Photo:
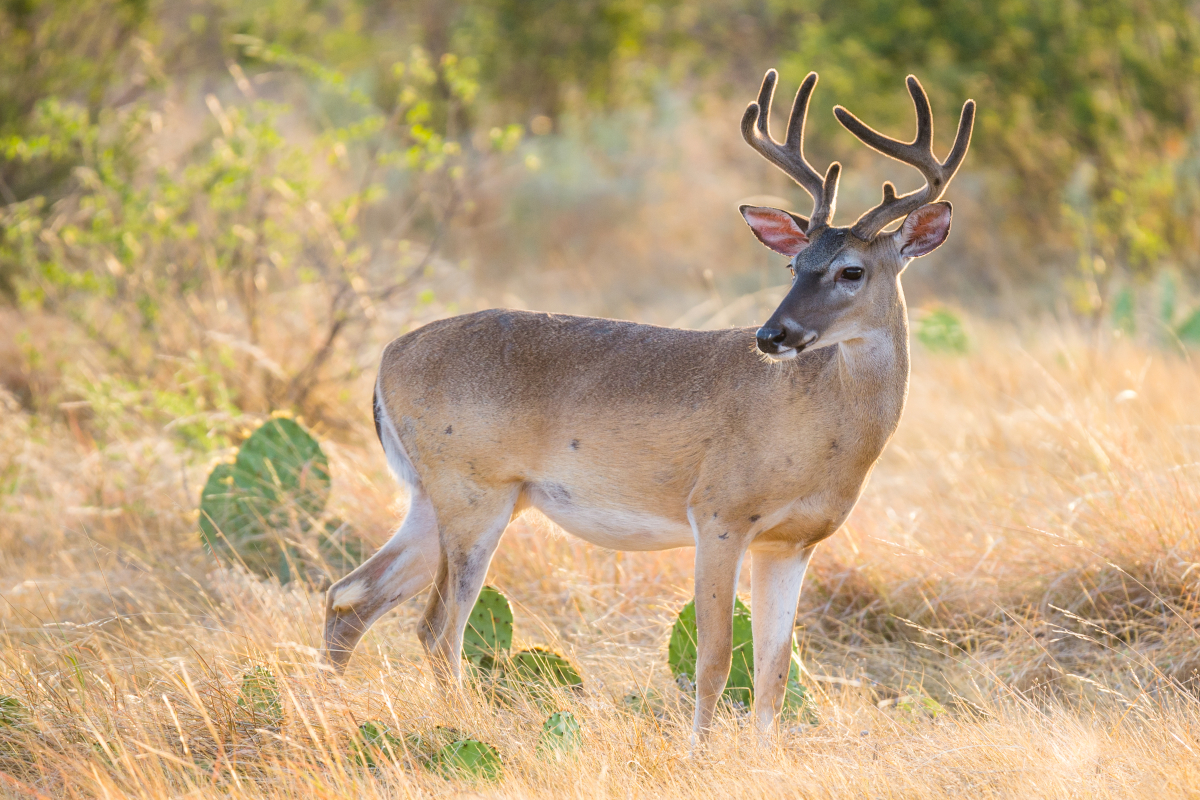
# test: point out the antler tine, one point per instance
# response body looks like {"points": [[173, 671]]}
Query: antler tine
{"points": [[789, 156], [917, 153]]}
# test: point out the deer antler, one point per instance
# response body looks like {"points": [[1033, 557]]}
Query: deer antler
{"points": [[918, 153], [789, 156]]}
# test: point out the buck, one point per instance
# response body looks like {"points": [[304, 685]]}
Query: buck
{"points": [[637, 437]]}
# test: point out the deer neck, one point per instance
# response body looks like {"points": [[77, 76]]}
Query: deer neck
{"points": [[869, 374]]}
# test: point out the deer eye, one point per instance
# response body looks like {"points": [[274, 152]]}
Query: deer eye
{"points": [[851, 274]]}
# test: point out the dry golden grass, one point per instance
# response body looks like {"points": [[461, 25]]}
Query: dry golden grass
{"points": [[1010, 611]]}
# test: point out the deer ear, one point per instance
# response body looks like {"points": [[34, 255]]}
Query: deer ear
{"points": [[778, 230], [924, 230]]}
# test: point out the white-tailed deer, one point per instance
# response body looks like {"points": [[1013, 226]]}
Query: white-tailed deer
{"points": [[636, 437]]}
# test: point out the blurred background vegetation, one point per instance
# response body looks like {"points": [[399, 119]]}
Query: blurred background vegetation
{"points": [[213, 207]]}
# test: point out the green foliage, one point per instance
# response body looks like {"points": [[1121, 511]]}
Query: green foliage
{"points": [[1123, 312], [259, 697], [561, 733], [468, 759], [535, 52], [1080, 101], [1189, 330], [489, 633], [941, 331], [681, 658], [374, 744], [12, 712], [251, 230], [77, 49], [278, 485]]}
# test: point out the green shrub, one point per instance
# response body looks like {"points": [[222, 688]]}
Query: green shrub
{"points": [[1189, 330], [941, 331]]}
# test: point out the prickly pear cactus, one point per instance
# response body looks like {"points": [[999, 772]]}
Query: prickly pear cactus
{"points": [[468, 759], [12, 713], [798, 703], [681, 653], [541, 667], [681, 656], [424, 745], [275, 489], [374, 744], [489, 633], [260, 697], [561, 733]]}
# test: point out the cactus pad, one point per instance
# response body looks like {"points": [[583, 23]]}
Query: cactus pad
{"points": [[798, 703], [259, 696], [681, 656], [560, 732], [489, 633], [539, 666], [375, 744], [468, 759], [277, 486], [12, 713], [681, 652]]}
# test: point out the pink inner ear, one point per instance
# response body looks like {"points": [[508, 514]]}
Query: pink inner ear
{"points": [[924, 230], [776, 229]]}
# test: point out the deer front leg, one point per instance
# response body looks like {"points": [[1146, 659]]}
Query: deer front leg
{"points": [[718, 562], [776, 572]]}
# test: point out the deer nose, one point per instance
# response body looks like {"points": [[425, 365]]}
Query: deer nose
{"points": [[770, 339]]}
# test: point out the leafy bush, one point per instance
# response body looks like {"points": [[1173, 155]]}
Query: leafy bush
{"points": [[242, 253], [941, 331]]}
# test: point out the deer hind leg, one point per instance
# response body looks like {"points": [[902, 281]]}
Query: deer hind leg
{"points": [[775, 577], [470, 531], [400, 569]]}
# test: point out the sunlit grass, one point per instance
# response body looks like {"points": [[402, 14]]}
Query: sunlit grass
{"points": [[1010, 611]]}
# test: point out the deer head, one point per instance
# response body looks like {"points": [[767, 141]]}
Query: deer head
{"points": [[846, 281]]}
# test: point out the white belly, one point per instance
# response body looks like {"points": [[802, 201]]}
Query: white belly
{"points": [[617, 528]]}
